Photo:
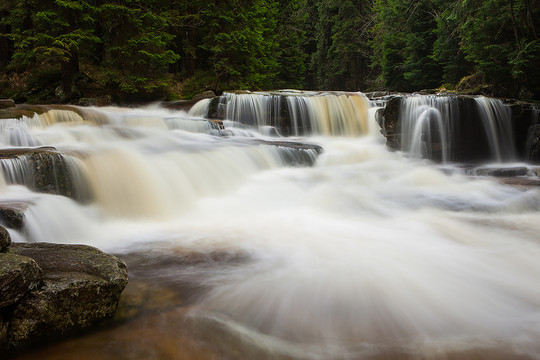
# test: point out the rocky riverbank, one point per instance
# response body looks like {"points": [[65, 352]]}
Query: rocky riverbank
{"points": [[48, 290]]}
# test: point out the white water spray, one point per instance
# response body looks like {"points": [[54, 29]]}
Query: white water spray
{"points": [[364, 255]]}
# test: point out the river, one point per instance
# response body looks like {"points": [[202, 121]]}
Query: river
{"points": [[240, 249]]}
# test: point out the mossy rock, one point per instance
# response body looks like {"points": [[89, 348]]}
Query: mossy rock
{"points": [[81, 286]]}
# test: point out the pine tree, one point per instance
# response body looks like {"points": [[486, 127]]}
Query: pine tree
{"points": [[241, 43], [52, 33], [136, 43]]}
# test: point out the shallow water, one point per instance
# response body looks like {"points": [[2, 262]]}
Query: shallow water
{"points": [[233, 254]]}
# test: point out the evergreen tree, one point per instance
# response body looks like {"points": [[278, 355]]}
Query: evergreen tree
{"points": [[499, 37], [6, 44], [136, 45], [52, 33], [404, 36], [420, 70], [241, 42], [341, 59], [388, 43], [446, 49], [291, 57]]}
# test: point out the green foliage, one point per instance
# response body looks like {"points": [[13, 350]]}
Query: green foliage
{"points": [[342, 51], [136, 47], [241, 41], [133, 49], [198, 83], [404, 37], [291, 36]]}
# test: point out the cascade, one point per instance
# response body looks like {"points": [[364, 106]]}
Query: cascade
{"points": [[295, 113], [44, 171], [240, 244], [451, 128], [135, 162]]}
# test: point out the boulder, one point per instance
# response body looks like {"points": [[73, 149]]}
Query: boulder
{"points": [[5, 239], [6, 103], [12, 215], [18, 274], [81, 286]]}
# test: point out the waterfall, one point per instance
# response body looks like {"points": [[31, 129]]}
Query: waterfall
{"points": [[296, 113], [496, 120], [279, 226], [443, 127], [136, 162]]}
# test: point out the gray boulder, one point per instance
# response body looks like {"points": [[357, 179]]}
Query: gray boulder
{"points": [[81, 286], [18, 274]]}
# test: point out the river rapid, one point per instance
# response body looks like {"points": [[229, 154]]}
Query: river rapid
{"points": [[235, 253]]}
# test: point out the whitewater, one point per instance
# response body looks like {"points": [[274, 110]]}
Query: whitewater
{"points": [[354, 253]]}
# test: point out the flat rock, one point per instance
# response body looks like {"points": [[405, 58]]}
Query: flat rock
{"points": [[520, 181], [502, 172], [81, 286], [6, 103], [18, 274]]}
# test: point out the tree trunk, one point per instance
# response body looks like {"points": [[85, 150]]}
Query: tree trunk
{"points": [[514, 24], [530, 19], [69, 71]]}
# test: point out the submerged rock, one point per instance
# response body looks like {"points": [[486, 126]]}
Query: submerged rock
{"points": [[502, 172], [80, 286]]}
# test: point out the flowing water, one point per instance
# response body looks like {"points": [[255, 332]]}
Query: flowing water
{"points": [[241, 247], [440, 120]]}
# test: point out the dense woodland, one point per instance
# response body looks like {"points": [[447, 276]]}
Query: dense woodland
{"points": [[133, 50]]}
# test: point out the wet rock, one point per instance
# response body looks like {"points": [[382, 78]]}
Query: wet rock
{"points": [[6, 103], [502, 172], [12, 215], [81, 286], [42, 170], [5, 238], [532, 144], [520, 181], [18, 274], [390, 124]]}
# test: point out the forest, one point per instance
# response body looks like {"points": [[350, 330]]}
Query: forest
{"points": [[134, 50]]}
